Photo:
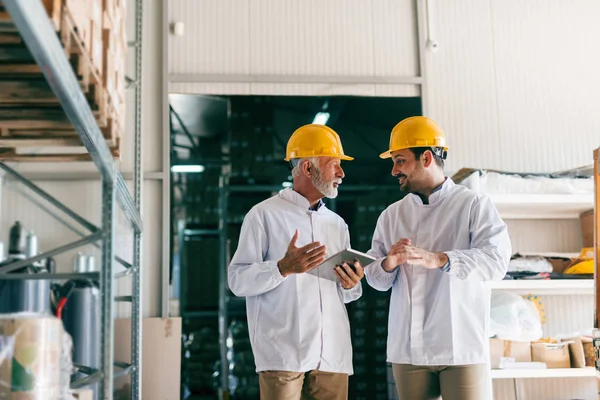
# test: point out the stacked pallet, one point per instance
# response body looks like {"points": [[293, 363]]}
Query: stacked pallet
{"points": [[92, 33], [368, 325]]}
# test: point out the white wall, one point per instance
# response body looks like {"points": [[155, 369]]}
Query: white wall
{"points": [[512, 83], [312, 37]]}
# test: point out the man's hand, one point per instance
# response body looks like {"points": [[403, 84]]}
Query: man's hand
{"points": [[349, 278], [404, 253], [396, 255], [303, 259], [424, 258]]}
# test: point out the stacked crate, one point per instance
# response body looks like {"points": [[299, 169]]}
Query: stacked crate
{"points": [[200, 358], [93, 33], [368, 326], [367, 210], [113, 50], [254, 157], [202, 273], [369, 315], [202, 200], [93, 36]]}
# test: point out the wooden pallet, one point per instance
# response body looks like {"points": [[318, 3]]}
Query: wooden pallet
{"points": [[30, 114]]}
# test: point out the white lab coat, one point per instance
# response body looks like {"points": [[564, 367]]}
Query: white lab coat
{"points": [[441, 317], [297, 323]]}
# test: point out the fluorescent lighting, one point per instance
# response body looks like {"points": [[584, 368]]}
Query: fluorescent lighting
{"points": [[321, 118], [187, 169], [287, 184]]}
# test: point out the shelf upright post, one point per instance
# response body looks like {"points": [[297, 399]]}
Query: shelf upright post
{"points": [[106, 291], [138, 177], [223, 260]]}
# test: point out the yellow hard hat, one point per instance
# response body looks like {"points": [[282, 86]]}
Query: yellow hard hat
{"points": [[315, 140], [415, 132]]}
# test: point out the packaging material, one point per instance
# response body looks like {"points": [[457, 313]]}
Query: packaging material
{"points": [[555, 355], [588, 350], [576, 351], [519, 351], [514, 318], [504, 182], [529, 264], [587, 228], [541, 262], [33, 357]]}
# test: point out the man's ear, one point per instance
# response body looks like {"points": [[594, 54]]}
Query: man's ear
{"points": [[427, 158], [306, 166]]}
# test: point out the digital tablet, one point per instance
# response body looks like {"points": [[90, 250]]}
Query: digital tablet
{"points": [[327, 267]]}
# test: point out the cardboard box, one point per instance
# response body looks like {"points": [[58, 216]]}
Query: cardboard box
{"points": [[588, 351], [161, 358], [555, 355], [520, 351], [587, 228], [83, 394], [576, 352]]}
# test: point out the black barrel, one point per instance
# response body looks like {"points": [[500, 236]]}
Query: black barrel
{"points": [[81, 319], [24, 296]]}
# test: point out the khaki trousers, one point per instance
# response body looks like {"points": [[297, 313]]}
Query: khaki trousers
{"points": [[312, 385], [455, 382]]}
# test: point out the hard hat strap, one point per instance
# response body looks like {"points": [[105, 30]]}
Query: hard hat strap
{"points": [[440, 152]]}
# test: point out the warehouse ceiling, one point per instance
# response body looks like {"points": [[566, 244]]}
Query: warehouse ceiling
{"points": [[363, 123]]}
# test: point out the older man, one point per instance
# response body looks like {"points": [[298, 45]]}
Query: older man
{"points": [[298, 324]]}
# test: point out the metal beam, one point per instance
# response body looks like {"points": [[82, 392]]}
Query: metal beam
{"points": [[92, 276], [128, 205], [46, 196], [122, 274], [88, 380], [80, 176], [185, 131], [223, 78], [201, 232], [65, 223], [50, 253]]}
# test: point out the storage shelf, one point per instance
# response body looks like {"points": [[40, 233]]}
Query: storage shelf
{"points": [[587, 372], [546, 287], [36, 31], [542, 206], [33, 24]]}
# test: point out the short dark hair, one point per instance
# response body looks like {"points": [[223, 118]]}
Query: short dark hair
{"points": [[439, 154]]}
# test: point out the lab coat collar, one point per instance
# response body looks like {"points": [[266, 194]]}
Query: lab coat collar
{"points": [[438, 193], [289, 194]]}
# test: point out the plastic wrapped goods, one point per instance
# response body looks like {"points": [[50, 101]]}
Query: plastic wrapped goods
{"points": [[32, 358]]}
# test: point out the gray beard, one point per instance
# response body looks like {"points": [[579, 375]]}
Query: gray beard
{"points": [[325, 188]]}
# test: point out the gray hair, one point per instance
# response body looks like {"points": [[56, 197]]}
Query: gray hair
{"points": [[297, 161]]}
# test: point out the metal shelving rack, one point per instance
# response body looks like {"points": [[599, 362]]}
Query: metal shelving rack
{"points": [[32, 22]]}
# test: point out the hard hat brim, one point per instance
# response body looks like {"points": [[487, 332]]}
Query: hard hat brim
{"points": [[342, 157], [388, 153]]}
